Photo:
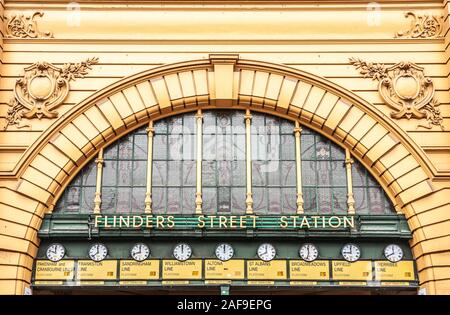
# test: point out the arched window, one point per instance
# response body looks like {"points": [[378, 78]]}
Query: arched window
{"points": [[232, 179]]}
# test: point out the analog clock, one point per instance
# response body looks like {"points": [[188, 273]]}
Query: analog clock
{"points": [[182, 252], [351, 252], [224, 252], [308, 252], [140, 252], [98, 252], [266, 252], [55, 252], [393, 253]]}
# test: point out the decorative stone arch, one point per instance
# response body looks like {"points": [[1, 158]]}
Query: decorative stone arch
{"points": [[221, 81]]}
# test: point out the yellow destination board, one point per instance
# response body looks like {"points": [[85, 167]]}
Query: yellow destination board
{"points": [[91, 270], [266, 270], [134, 270], [174, 269], [316, 270], [359, 270], [386, 270], [49, 270], [231, 269]]}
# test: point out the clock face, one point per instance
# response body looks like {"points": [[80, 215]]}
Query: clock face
{"points": [[140, 252], [266, 252], [182, 252], [308, 252], [351, 252], [55, 252], [98, 252], [224, 252], [393, 253]]}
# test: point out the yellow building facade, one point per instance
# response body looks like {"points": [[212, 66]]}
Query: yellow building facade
{"points": [[372, 77]]}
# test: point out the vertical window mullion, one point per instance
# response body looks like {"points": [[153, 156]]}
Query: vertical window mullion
{"points": [[298, 162], [248, 158], [199, 159], [148, 194], [98, 186], [350, 198]]}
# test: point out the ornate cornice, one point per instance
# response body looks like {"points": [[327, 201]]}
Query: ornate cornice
{"points": [[423, 26], [20, 26], [42, 88], [404, 88]]}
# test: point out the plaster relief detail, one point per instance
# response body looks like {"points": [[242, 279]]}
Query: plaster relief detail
{"points": [[406, 89], [20, 26], [423, 26], [42, 88]]}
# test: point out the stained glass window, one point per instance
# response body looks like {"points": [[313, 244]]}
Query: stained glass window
{"points": [[368, 194], [124, 171], [324, 180], [79, 195], [273, 165], [174, 166], [223, 165], [223, 162]]}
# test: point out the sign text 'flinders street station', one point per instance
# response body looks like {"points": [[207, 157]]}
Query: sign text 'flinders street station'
{"points": [[223, 222]]}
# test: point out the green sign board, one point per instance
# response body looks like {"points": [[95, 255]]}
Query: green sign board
{"points": [[221, 222]]}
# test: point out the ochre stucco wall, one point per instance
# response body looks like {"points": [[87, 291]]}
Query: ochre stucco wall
{"points": [[280, 59]]}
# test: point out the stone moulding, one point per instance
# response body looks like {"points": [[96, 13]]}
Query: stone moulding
{"points": [[406, 89], [423, 26], [42, 88], [20, 26]]}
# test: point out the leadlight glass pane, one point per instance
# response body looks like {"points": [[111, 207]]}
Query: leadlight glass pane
{"points": [[238, 200], [289, 200], [310, 200], [339, 174], [140, 147], [159, 200], [137, 195], [159, 173], [376, 200], [324, 200], [109, 173], [259, 201], [123, 199], [174, 200], [139, 173], [361, 204], [323, 173], [340, 200], [309, 176], [307, 145], [209, 197], [274, 196], [188, 200]]}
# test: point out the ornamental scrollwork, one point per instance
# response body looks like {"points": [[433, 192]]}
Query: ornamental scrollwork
{"points": [[42, 88], [20, 26], [406, 89], [423, 26]]}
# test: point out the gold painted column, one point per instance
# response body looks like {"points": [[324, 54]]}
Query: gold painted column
{"points": [[248, 158], [350, 199], [298, 162], [98, 185], [198, 193], [148, 194]]}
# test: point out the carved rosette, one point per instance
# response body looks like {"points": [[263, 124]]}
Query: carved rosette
{"points": [[20, 26], [43, 88], [406, 89], [423, 26]]}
